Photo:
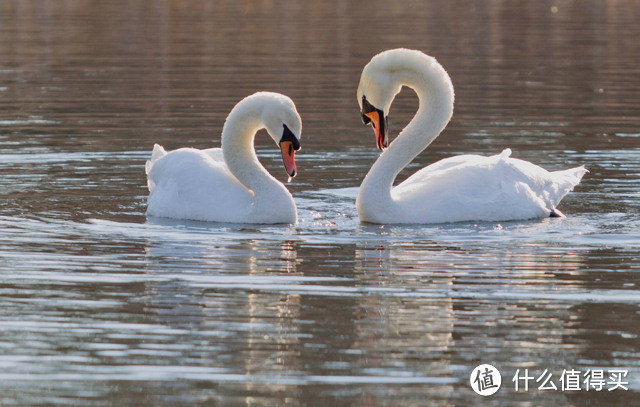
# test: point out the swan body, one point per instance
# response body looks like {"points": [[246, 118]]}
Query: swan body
{"points": [[460, 188], [229, 184]]}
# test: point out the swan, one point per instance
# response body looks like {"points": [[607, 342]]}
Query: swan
{"points": [[460, 188], [229, 184]]}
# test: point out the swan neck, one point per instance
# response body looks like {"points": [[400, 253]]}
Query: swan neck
{"points": [[435, 94], [433, 87], [239, 153]]}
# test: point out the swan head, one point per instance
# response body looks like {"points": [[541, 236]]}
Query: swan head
{"points": [[283, 123], [375, 96], [378, 121], [383, 77], [376, 92]]}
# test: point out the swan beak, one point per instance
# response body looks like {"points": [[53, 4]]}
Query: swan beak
{"points": [[288, 154], [289, 144], [379, 123]]}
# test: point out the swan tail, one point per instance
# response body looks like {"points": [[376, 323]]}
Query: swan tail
{"points": [[158, 153], [565, 181], [506, 153]]}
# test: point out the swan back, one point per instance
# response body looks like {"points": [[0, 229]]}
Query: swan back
{"points": [[474, 187]]}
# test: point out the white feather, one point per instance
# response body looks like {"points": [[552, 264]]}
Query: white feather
{"points": [[461, 188], [226, 186]]}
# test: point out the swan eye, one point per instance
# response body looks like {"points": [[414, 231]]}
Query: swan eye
{"points": [[287, 135], [366, 109]]}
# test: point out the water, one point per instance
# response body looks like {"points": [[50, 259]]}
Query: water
{"points": [[101, 306]]}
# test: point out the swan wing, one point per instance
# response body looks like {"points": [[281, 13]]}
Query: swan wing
{"points": [[215, 154], [195, 184], [473, 187]]}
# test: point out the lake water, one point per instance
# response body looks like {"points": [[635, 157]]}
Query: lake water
{"points": [[101, 306]]}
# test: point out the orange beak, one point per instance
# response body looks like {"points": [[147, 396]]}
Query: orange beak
{"points": [[288, 154], [379, 125]]}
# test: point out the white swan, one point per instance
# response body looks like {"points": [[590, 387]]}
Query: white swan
{"points": [[229, 184], [461, 188]]}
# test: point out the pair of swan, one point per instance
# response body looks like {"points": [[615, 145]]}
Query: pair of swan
{"points": [[230, 185]]}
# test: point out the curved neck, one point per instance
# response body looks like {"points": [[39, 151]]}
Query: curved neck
{"points": [[239, 153], [435, 94]]}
